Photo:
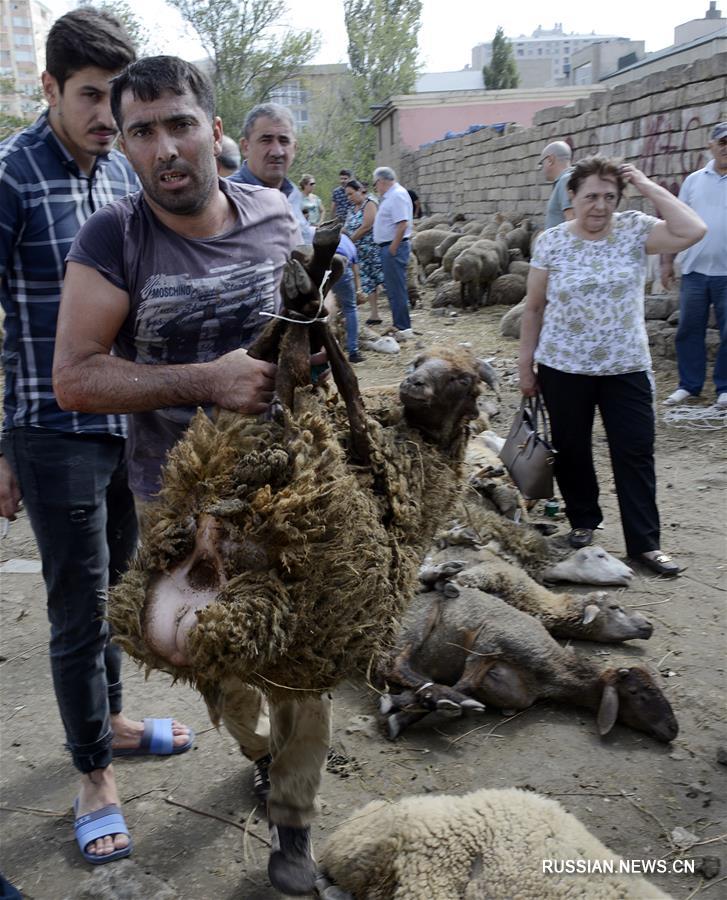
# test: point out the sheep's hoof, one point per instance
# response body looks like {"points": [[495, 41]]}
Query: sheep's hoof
{"points": [[444, 703], [393, 728], [473, 705], [386, 704]]}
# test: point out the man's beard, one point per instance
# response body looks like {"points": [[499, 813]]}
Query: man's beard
{"points": [[187, 202]]}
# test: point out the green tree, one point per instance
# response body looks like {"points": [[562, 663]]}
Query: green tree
{"points": [[383, 55], [248, 58], [140, 35], [502, 73]]}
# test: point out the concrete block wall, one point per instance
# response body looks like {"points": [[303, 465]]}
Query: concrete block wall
{"points": [[660, 123]]}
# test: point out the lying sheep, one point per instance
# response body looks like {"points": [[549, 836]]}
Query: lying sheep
{"points": [[590, 617], [434, 221], [469, 648], [476, 526], [507, 290], [437, 276], [486, 845], [510, 322], [423, 245], [519, 267], [448, 293]]}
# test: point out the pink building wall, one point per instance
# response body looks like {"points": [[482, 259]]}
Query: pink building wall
{"points": [[418, 125]]}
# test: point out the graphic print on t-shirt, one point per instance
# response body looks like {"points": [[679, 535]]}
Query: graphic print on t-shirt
{"points": [[181, 319]]}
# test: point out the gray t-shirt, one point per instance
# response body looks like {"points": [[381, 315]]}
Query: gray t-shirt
{"points": [[559, 200], [191, 300]]}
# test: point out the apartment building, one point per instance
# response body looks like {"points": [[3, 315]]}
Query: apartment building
{"points": [[24, 27]]}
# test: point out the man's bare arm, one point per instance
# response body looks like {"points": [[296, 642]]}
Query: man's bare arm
{"points": [[86, 378]]}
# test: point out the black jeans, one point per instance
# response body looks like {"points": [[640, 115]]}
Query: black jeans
{"points": [[625, 403], [75, 490]]}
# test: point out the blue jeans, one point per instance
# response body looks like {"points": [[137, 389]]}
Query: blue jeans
{"points": [[75, 490], [345, 292], [696, 294], [395, 283]]}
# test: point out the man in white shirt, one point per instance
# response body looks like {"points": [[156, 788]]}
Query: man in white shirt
{"points": [[704, 277], [392, 230]]}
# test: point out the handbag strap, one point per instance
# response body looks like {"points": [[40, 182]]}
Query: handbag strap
{"points": [[537, 411]]}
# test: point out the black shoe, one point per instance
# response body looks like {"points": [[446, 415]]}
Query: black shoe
{"points": [[261, 778], [580, 537], [291, 867], [662, 564], [356, 357]]}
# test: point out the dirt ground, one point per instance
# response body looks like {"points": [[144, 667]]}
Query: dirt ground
{"points": [[196, 831]]}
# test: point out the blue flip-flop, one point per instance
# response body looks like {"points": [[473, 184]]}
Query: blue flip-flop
{"points": [[157, 740], [102, 823]]}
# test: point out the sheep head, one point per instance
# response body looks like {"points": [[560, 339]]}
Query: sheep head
{"points": [[606, 621], [633, 697], [590, 565], [439, 396]]}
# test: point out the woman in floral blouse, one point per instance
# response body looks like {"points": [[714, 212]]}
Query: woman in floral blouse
{"points": [[359, 227], [583, 325]]}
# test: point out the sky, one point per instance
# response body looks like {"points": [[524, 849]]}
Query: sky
{"points": [[450, 28]]}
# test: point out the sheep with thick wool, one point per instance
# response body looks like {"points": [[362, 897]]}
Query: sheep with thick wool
{"points": [[296, 560], [486, 845]]}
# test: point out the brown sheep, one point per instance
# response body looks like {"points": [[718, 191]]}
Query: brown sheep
{"points": [[507, 290], [519, 267], [470, 648], [510, 322], [475, 268], [423, 245], [466, 240], [295, 558], [449, 293], [519, 238], [433, 221]]}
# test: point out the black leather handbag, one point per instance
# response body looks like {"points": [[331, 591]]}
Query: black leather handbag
{"points": [[527, 453]]}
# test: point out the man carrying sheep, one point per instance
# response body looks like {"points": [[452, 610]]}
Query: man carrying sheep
{"points": [[555, 164], [392, 230], [176, 279]]}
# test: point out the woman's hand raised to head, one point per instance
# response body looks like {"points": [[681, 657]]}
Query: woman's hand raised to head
{"points": [[632, 175]]}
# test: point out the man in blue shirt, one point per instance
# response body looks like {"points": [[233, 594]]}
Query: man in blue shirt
{"points": [[68, 467], [268, 145], [555, 164], [704, 277], [341, 204]]}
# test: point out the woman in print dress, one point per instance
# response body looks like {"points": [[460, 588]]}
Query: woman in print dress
{"points": [[584, 345], [359, 227]]}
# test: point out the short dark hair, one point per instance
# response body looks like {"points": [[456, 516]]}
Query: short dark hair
{"points": [[86, 37], [602, 166], [149, 77], [354, 184], [345, 172]]}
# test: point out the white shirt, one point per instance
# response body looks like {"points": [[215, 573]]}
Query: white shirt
{"points": [[395, 206], [705, 191], [593, 322]]}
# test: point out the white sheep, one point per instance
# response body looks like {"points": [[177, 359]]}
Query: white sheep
{"points": [[486, 845]]}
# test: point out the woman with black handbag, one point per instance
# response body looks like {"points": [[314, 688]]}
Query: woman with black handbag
{"points": [[583, 325]]}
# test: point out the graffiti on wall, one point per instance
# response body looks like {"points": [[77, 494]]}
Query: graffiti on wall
{"points": [[662, 145]]}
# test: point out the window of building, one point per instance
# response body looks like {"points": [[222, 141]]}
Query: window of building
{"points": [[23, 39], [391, 130], [520, 53], [24, 56], [21, 22], [292, 93]]}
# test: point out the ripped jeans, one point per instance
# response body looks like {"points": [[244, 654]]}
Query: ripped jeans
{"points": [[75, 490]]}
